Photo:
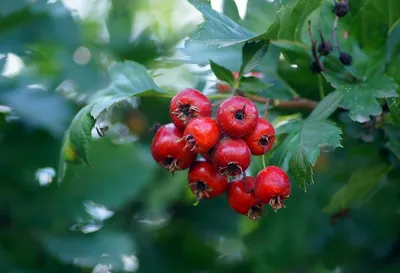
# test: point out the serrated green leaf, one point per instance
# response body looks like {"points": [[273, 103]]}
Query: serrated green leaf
{"points": [[295, 47], [88, 250], [394, 107], [362, 184], [327, 106], [301, 169], [360, 98], [128, 79], [252, 55], [78, 137], [218, 29], [222, 73], [253, 84]]}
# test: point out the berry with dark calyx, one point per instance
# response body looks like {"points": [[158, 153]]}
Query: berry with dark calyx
{"points": [[201, 134], [168, 151], [315, 67], [341, 8], [205, 181], [237, 116], [188, 104], [324, 47], [242, 200], [345, 58], [272, 186], [232, 156], [260, 141]]}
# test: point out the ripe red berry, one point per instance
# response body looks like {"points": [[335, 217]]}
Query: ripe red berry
{"points": [[201, 134], [237, 116], [272, 186], [209, 155], [232, 156], [205, 181], [260, 141], [168, 151], [242, 199], [188, 104]]}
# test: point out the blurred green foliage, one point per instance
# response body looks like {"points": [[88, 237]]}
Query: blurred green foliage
{"points": [[72, 201]]}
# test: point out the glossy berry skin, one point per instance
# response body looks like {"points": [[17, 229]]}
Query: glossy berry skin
{"points": [[272, 186], [205, 181], [242, 199], [188, 104], [232, 156], [341, 8], [237, 116], [168, 151], [261, 140], [201, 134], [345, 58]]}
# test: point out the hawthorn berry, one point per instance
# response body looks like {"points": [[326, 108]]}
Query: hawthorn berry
{"points": [[209, 155], [341, 8], [237, 116], [260, 141], [201, 134], [168, 151], [188, 104], [345, 58], [205, 181], [272, 186], [232, 156], [242, 200]]}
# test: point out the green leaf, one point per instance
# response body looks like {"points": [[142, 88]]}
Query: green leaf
{"points": [[360, 98], [301, 148], [102, 247], [218, 29], [394, 107], [8, 7], [78, 137], [252, 54], [362, 184], [253, 84], [327, 106], [295, 47], [222, 73], [393, 134], [128, 79], [230, 9]]}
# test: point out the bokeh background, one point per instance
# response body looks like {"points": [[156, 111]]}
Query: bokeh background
{"points": [[125, 213]]}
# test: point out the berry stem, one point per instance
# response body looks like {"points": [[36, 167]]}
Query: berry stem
{"points": [[314, 47], [334, 34], [263, 161]]}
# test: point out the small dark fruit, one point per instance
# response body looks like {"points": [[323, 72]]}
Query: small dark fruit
{"points": [[315, 67], [325, 48], [345, 58], [341, 8]]}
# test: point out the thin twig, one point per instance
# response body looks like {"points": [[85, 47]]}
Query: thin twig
{"points": [[266, 109], [334, 34], [314, 47]]}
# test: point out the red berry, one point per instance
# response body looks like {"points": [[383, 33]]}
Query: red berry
{"points": [[232, 156], [260, 141], [168, 151], [237, 116], [188, 104], [201, 134], [209, 155], [205, 181], [272, 186], [242, 199]]}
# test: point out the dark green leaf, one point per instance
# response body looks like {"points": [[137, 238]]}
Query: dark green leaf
{"points": [[327, 106], [252, 54], [222, 73], [218, 29], [294, 47], [360, 98], [230, 9], [253, 84], [394, 107], [91, 249], [301, 169], [362, 184], [393, 134]]}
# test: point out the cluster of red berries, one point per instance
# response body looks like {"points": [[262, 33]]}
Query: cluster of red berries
{"points": [[226, 145]]}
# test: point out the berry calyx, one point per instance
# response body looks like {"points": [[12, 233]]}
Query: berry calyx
{"points": [[261, 140], [345, 58], [201, 134], [188, 104], [205, 181], [232, 156], [341, 8], [242, 200], [168, 151], [237, 116], [272, 186]]}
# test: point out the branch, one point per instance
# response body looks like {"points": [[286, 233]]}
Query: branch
{"points": [[314, 47]]}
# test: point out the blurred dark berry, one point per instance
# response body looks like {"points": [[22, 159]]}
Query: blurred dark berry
{"points": [[315, 68], [324, 48], [345, 58], [341, 8]]}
